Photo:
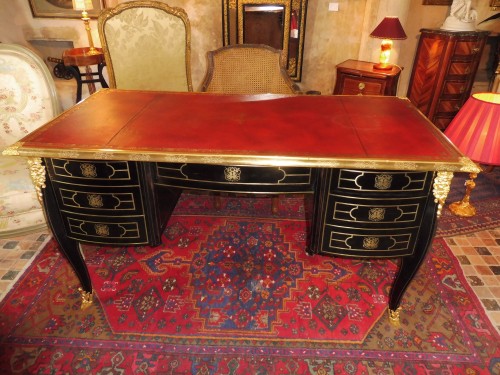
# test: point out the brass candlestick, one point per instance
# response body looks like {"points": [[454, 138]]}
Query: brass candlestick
{"points": [[86, 22]]}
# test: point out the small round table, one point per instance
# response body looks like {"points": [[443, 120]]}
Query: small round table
{"points": [[75, 57]]}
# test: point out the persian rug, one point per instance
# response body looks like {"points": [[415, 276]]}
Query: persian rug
{"points": [[232, 291]]}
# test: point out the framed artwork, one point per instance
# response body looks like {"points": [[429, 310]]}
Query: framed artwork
{"points": [[437, 2], [61, 9]]}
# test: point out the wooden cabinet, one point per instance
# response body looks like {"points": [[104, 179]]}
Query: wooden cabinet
{"points": [[443, 72], [360, 78]]}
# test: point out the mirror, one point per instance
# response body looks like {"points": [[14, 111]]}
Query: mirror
{"points": [[276, 23]]}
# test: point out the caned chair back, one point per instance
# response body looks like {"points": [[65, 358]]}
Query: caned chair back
{"points": [[247, 69], [147, 46]]}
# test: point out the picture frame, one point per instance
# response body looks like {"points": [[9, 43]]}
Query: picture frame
{"points": [[61, 9], [437, 2]]}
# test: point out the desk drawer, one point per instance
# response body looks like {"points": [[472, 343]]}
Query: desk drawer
{"points": [[352, 212], [373, 183], [99, 200], [106, 230], [369, 243], [235, 178], [93, 172]]}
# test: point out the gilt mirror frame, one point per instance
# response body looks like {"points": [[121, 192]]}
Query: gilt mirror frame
{"points": [[233, 28]]}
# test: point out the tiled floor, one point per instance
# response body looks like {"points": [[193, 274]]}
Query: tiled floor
{"points": [[478, 253], [16, 254], [479, 256]]}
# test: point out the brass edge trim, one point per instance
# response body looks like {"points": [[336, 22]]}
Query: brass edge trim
{"points": [[462, 165], [12, 150]]}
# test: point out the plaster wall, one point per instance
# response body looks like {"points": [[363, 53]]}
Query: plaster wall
{"points": [[331, 37]]}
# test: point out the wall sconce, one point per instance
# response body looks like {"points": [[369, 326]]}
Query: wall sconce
{"points": [[475, 130], [389, 29], [85, 5]]}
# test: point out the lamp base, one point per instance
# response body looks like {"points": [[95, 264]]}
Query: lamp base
{"points": [[382, 66], [463, 209]]}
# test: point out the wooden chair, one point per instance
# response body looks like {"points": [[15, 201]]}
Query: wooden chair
{"points": [[147, 46], [28, 99], [247, 69]]}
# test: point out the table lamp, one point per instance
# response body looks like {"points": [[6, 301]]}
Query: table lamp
{"points": [[85, 5], [389, 29], [475, 131]]}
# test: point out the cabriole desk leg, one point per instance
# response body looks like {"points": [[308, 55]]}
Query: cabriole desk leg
{"points": [[70, 248]]}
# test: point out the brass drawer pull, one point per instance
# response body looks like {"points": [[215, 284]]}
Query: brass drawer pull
{"points": [[232, 174]]}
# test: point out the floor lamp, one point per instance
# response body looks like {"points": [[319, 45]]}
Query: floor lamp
{"points": [[475, 131]]}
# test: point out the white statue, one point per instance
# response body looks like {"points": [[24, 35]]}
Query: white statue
{"points": [[462, 17]]}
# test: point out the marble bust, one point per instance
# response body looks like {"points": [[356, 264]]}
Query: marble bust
{"points": [[462, 17]]}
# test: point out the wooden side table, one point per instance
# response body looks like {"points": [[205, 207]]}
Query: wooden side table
{"points": [[360, 78], [74, 58]]}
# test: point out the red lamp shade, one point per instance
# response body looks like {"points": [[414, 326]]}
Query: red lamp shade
{"points": [[389, 28], [475, 130]]}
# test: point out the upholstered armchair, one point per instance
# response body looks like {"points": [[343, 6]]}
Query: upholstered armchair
{"points": [[28, 100], [147, 46]]}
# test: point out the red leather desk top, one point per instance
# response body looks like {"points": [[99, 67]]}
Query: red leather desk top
{"points": [[335, 131]]}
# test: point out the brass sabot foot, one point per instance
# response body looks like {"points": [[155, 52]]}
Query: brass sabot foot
{"points": [[394, 316], [87, 298]]}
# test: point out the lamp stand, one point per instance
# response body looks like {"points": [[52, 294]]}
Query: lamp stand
{"points": [[464, 208], [385, 54], [86, 19]]}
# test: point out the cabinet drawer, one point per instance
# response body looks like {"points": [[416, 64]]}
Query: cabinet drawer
{"points": [[380, 182], [352, 85], [369, 243], [456, 88], [235, 178], [450, 107], [92, 171], [109, 230], [355, 212], [459, 69], [466, 49]]}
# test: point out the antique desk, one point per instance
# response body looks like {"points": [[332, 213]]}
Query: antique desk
{"points": [[110, 169]]}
